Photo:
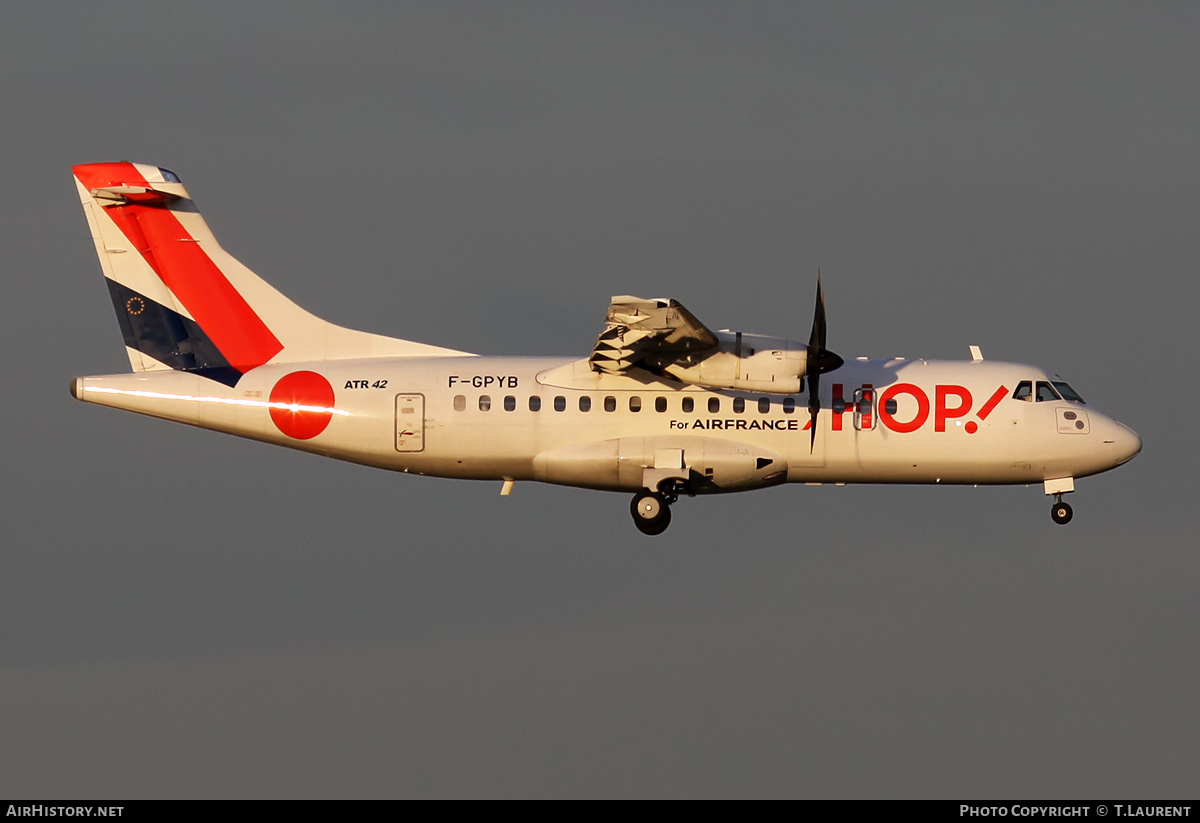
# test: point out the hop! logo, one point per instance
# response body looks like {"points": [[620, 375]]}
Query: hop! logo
{"points": [[948, 403]]}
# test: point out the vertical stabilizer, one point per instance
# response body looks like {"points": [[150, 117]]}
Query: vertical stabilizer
{"points": [[183, 302]]}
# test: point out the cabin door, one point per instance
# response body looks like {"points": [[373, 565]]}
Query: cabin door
{"points": [[410, 422]]}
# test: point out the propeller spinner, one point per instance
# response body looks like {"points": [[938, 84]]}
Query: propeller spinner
{"points": [[819, 361]]}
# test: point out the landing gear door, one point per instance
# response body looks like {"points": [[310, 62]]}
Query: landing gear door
{"points": [[410, 422], [864, 408]]}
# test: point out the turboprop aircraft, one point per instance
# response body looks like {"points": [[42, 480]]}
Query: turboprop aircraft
{"points": [[663, 406]]}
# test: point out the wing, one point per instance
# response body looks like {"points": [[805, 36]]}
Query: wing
{"points": [[650, 334]]}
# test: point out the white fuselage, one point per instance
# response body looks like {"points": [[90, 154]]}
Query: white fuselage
{"points": [[556, 420]]}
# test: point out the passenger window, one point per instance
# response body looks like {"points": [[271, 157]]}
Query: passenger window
{"points": [[714, 404], [688, 405], [1045, 392], [789, 405], [585, 403], [610, 404], [535, 403], [739, 405], [660, 404], [635, 403], [510, 403], [1024, 391], [764, 405], [485, 402], [560, 403], [891, 406], [460, 402]]}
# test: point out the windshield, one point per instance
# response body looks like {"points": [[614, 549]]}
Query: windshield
{"points": [[1067, 392], [1045, 392]]}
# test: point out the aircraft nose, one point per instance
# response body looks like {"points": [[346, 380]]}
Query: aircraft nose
{"points": [[1126, 442]]}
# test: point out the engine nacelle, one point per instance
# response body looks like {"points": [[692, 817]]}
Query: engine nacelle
{"points": [[746, 362]]}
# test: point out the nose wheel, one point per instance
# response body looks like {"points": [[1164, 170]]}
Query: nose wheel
{"points": [[651, 512], [1060, 512]]}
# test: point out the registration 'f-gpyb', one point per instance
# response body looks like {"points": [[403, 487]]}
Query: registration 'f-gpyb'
{"points": [[663, 407]]}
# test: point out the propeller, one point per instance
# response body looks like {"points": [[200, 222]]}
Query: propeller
{"points": [[819, 361]]}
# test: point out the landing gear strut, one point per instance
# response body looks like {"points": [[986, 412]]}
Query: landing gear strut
{"points": [[1060, 512], [651, 511]]}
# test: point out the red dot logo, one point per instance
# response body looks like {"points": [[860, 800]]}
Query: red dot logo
{"points": [[302, 404]]}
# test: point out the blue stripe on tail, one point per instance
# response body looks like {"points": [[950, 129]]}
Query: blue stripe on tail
{"points": [[166, 335]]}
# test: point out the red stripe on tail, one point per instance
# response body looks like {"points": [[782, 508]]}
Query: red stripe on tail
{"points": [[191, 275]]}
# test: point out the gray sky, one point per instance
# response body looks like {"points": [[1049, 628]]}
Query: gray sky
{"points": [[187, 614]]}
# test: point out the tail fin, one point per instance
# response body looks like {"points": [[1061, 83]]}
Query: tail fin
{"points": [[185, 303]]}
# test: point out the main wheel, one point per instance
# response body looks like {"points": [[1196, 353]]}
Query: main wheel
{"points": [[651, 512], [1061, 513]]}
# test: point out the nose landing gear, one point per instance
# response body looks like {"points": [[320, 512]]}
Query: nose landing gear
{"points": [[1060, 512], [651, 511]]}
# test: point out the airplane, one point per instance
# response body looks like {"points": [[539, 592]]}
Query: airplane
{"points": [[663, 407]]}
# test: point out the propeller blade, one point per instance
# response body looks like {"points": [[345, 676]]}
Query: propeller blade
{"points": [[816, 338], [814, 406], [819, 360]]}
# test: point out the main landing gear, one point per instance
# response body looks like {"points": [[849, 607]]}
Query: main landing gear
{"points": [[1060, 512], [652, 511]]}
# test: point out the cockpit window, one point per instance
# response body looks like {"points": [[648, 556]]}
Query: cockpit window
{"points": [[1067, 392], [1024, 391], [1045, 392]]}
